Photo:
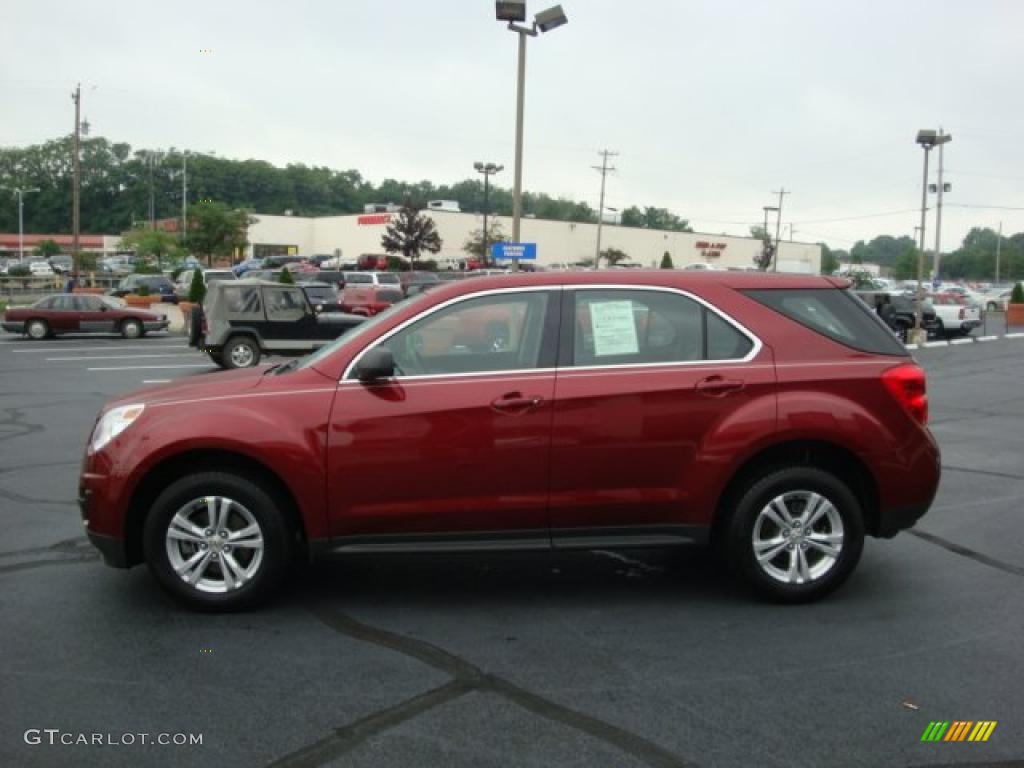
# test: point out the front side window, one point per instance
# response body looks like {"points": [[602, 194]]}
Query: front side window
{"points": [[284, 304], [243, 302], [500, 332], [88, 304]]}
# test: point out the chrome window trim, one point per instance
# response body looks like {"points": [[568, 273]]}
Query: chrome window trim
{"points": [[437, 308], [757, 344]]}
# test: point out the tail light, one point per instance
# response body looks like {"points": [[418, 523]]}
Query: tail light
{"points": [[906, 383]]}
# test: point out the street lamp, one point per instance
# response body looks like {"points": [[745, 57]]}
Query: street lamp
{"points": [[487, 169], [21, 220], [514, 11], [928, 139]]}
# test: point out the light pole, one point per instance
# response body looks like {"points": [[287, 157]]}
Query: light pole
{"points": [[487, 169], [941, 187], [21, 220], [928, 139], [514, 11]]}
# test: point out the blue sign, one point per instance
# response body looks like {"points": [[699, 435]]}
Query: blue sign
{"points": [[520, 251]]}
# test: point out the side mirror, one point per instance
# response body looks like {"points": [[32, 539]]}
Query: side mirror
{"points": [[104, 308], [378, 363]]}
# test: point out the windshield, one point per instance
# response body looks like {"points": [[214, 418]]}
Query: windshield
{"points": [[357, 334]]}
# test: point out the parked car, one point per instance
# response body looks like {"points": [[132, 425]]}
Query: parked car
{"points": [[369, 300], [116, 265], [276, 262], [899, 311], [323, 297], [80, 313], [243, 321], [62, 264], [155, 285], [997, 299], [953, 315], [184, 282], [247, 266], [773, 416], [40, 268], [372, 277], [416, 277]]}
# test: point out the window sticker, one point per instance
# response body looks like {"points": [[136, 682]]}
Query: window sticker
{"points": [[614, 328]]}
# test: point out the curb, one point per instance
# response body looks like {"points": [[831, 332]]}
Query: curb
{"points": [[961, 342]]}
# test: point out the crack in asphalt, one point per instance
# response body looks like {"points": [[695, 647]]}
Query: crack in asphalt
{"points": [[987, 472], [467, 678], [32, 564], [13, 418], [23, 467], [958, 549], [78, 544]]}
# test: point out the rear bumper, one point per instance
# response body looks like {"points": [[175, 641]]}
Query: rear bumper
{"points": [[896, 520]]}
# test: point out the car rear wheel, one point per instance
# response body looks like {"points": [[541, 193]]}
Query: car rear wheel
{"points": [[240, 352], [217, 541], [795, 534], [131, 329], [37, 329]]}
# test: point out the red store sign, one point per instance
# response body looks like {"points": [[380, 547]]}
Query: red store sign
{"points": [[710, 250], [376, 218]]}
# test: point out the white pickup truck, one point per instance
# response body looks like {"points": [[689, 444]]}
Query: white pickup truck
{"points": [[954, 318]]}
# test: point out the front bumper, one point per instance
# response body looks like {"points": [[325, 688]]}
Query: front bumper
{"points": [[14, 327], [157, 325], [113, 550]]}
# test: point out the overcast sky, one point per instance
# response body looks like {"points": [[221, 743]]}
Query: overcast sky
{"points": [[711, 105]]}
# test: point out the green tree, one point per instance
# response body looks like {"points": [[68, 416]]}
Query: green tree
{"points": [[666, 261], [654, 218], [152, 243], [613, 256], [905, 267], [474, 245], [829, 260], [410, 233], [46, 249], [197, 289], [286, 277], [217, 230], [1017, 294]]}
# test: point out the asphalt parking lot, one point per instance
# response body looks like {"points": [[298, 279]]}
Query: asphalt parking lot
{"points": [[634, 658]]}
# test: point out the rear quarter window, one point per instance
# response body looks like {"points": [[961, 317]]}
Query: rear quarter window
{"points": [[834, 313]]}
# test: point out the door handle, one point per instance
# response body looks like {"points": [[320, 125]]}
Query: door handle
{"points": [[718, 386], [515, 402]]}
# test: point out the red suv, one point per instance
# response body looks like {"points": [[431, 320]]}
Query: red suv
{"points": [[774, 416]]}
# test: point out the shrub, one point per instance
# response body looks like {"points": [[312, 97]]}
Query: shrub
{"points": [[142, 291], [18, 270], [286, 277], [197, 290], [666, 261], [143, 268], [1017, 294]]}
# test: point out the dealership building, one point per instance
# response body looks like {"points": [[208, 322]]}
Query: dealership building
{"points": [[558, 242]]}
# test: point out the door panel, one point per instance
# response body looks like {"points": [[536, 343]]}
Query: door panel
{"points": [[459, 441], [627, 437]]}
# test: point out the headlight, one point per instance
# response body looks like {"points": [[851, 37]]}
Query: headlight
{"points": [[113, 423]]}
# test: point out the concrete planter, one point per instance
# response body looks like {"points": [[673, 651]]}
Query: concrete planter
{"points": [[133, 300]]}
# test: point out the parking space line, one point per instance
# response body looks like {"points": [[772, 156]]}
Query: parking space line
{"points": [[937, 344], [93, 349], [1014, 336], [961, 341], [116, 357], [987, 338], [156, 381], [151, 367]]}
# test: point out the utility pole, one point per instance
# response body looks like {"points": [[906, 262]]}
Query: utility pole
{"points": [[184, 195], [603, 169], [21, 220], [152, 197], [76, 257], [999, 243], [778, 226], [938, 210]]}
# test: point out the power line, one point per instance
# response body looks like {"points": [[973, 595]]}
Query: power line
{"points": [[989, 207], [856, 218]]}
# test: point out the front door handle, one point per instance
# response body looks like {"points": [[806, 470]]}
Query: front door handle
{"points": [[718, 386], [515, 402]]}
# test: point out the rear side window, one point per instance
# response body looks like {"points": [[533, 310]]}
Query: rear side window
{"points": [[834, 313]]}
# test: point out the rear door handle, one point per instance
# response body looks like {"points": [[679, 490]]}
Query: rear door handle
{"points": [[718, 386], [515, 402]]}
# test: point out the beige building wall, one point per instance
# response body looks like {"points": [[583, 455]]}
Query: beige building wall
{"points": [[558, 242]]}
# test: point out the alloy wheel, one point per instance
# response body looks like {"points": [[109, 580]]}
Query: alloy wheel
{"points": [[798, 537]]}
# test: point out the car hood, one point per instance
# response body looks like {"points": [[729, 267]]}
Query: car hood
{"points": [[203, 386]]}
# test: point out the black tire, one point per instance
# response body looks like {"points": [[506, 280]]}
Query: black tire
{"points": [[132, 329], [940, 331], [240, 352], [188, 496], [195, 325], [37, 329], [750, 517]]}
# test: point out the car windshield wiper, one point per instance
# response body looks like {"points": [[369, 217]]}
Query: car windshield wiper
{"points": [[274, 367], [289, 366]]}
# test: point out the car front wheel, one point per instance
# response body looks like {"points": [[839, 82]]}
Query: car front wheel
{"points": [[796, 534], [217, 541], [131, 329]]}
